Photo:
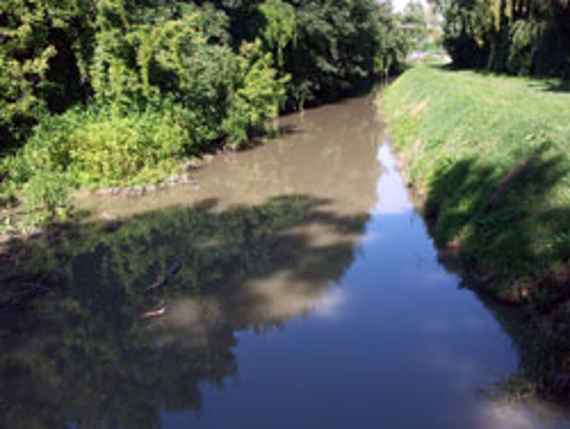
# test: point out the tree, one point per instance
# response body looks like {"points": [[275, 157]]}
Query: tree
{"points": [[414, 20], [519, 37]]}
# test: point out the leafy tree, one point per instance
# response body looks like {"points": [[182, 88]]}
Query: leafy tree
{"points": [[337, 46], [415, 21], [257, 95], [77, 73], [44, 49], [280, 26], [519, 37]]}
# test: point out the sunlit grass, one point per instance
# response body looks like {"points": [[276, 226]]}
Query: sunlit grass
{"points": [[488, 158]]}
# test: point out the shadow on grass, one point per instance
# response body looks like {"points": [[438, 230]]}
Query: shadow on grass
{"points": [[538, 83], [448, 67], [511, 237], [503, 217], [551, 85], [81, 352]]}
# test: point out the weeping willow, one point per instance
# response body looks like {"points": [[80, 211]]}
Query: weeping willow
{"points": [[514, 36]]}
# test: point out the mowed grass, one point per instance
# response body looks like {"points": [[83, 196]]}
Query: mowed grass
{"points": [[488, 157]]}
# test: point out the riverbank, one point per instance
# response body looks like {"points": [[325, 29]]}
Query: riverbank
{"points": [[123, 110], [225, 294], [487, 161]]}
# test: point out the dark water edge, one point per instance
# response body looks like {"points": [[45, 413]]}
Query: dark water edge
{"points": [[299, 288]]}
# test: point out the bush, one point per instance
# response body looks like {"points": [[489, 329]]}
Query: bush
{"points": [[98, 147], [109, 149], [257, 96], [46, 198]]}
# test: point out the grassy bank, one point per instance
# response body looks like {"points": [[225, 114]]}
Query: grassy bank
{"points": [[487, 157]]}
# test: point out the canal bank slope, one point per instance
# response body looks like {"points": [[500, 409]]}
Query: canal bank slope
{"points": [[486, 157]]}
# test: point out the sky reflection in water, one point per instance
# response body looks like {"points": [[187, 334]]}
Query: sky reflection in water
{"points": [[310, 296], [402, 346]]}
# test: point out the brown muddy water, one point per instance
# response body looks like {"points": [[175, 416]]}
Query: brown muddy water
{"points": [[295, 286]]}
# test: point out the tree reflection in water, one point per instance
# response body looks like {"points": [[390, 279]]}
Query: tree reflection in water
{"points": [[84, 356], [261, 244]]}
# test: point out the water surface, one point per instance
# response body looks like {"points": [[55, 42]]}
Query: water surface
{"points": [[300, 289]]}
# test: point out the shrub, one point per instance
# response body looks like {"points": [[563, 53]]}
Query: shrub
{"points": [[110, 149], [99, 147], [46, 197], [257, 96]]}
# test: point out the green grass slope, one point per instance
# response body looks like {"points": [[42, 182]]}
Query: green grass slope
{"points": [[488, 158]]}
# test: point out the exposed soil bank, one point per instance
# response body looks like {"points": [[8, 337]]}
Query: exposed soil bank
{"points": [[485, 158]]}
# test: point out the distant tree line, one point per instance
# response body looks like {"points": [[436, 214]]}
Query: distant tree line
{"points": [[527, 37]]}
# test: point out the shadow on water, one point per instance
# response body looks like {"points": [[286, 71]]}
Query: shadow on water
{"points": [[86, 355]]}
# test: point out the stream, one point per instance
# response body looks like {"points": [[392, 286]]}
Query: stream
{"points": [[308, 294]]}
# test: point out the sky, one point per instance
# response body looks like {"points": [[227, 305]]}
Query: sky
{"points": [[400, 4]]}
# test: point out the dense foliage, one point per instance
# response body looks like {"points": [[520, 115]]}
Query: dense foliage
{"points": [[414, 20], [515, 36], [111, 91]]}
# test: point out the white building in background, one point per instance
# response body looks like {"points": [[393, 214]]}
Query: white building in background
{"points": [[399, 5]]}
